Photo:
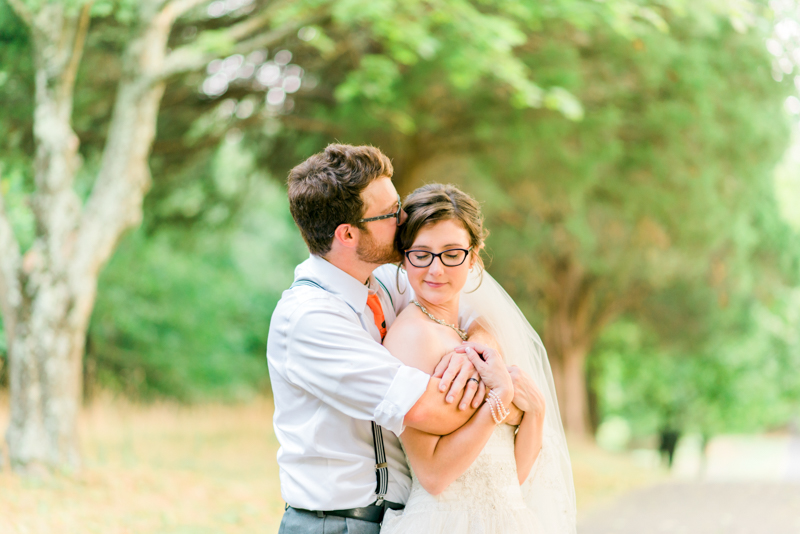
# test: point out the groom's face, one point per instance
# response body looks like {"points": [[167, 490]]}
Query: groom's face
{"points": [[377, 240]]}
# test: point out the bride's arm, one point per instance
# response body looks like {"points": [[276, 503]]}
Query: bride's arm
{"points": [[528, 442], [439, 460]]}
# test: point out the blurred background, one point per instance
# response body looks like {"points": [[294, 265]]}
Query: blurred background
{"points": [[638, 163]]}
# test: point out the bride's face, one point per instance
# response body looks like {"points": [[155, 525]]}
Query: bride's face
{"points": [[438, 283]]}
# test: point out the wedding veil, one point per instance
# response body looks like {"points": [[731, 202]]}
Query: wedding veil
{"points": [[549, 490]]}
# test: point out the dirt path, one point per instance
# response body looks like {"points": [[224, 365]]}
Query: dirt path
{"points": [[701, 508]]}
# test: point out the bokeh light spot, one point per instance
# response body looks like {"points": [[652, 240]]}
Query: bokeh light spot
{"points": [[291, 84], [276, 96], [307, 33], [283, 57], [792, 105], [216, 9], [215, 85], [774, 48], [268, 74], [245, 109]]}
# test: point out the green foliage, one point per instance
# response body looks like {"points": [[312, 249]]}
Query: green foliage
{"points": [[658, 188], [185, 313], [16, 88], [373, 80], [168, 322], [661, 197], [123, 11], [746, 378], [787, 184]]}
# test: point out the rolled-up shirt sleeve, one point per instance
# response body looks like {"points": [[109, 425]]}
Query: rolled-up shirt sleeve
{"points": [[331, 356]]}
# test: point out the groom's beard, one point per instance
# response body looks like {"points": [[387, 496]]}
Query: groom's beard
{"points": [[371, 252]]}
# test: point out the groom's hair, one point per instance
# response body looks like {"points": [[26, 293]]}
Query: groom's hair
{"points": [[325, 191]]}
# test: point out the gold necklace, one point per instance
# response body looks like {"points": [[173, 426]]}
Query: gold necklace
{"points": [[461, 333]]}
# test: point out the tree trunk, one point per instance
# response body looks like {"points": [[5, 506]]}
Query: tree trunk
{"points": [[568, 361], [47, 296], [44, 350], [576, 405], [45, 383], [569, 333], [576, 314]]}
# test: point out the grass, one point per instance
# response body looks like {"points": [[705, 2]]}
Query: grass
{"points": [[169, 469], [156, 469], [601, 476]]}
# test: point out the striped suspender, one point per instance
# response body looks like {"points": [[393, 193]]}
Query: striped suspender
{"points": [[381, 467]]}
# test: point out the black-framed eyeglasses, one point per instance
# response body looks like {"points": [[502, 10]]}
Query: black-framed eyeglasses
{"points": [[396, 214], [450, 258]]}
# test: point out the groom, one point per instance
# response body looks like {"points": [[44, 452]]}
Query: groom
{"points": [[341, 399]]}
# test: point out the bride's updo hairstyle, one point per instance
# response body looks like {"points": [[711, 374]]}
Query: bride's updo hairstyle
{"points": [[434, 203]]}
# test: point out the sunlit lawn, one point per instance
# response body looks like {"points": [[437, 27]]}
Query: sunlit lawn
{"points": [[209, 469]]}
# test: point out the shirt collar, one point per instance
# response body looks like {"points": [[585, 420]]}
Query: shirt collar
{"points": [[336, 281]]}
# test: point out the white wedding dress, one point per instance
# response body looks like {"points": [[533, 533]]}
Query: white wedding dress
{"points": [[487, 498]]}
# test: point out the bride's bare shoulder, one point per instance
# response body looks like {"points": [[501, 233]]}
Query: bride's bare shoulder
{"points": [[479, 332], [414, 342]]}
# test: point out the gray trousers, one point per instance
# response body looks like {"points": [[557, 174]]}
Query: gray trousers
{"points": [[295, 522]]}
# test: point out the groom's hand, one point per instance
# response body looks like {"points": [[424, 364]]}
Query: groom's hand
{"points": [[515, 417], [456, 370]]}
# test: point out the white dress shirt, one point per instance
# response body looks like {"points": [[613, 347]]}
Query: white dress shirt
{"points": [[330, 378]]}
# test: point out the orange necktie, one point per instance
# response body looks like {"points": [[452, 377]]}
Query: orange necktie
{"points": [[374, 304]]}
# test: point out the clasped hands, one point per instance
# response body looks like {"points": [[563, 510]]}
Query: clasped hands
{"points": [[473, 367]]}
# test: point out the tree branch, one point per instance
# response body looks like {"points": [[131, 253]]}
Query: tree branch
{"points": [[188, 58], [77, 48], [10, 260], [174, 9], [22, 12]]}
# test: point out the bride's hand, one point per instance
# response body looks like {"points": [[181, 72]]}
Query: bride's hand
{"points": [[457, 372], [527, 395], [492, 369]]}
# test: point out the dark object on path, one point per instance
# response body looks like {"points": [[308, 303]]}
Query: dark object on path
{"points": [[669, 440]]}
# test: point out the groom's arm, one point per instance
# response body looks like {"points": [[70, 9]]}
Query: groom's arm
{"points": [[320, 347], [331, 356], [432, 413], [450, 397]]}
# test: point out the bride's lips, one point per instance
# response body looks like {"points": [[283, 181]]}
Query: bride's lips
{"points": [[434, 284]]}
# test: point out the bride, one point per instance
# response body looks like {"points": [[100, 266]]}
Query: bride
{"points": [[521, 482]]}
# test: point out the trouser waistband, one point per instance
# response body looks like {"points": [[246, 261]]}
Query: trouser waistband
{"points": [[372, 513]]}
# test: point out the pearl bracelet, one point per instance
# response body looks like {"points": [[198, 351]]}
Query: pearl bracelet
{"points": [[497, 408]]}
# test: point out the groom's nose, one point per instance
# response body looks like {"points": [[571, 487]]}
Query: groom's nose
{"points": [[403, 216]]}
